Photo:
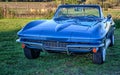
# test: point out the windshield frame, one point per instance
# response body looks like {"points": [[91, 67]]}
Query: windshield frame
{"points": [[70, 6]]}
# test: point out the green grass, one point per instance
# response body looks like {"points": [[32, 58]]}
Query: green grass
{"points": [[13, 61]]}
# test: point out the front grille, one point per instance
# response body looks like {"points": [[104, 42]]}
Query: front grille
{"points": [[49, 43], [54, 44]]}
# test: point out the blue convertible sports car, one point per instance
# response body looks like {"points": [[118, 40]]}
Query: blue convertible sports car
{"points": [[73, 29]]}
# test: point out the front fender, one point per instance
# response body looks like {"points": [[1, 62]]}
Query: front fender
{"points": [[30, 25]]}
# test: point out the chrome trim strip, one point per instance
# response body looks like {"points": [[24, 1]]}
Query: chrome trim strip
{"points": [[81, 45]]}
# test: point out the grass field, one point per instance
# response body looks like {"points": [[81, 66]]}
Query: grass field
{"points": [[13, 61]]}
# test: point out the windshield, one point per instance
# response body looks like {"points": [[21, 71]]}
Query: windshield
{"points": [[81, 12]]}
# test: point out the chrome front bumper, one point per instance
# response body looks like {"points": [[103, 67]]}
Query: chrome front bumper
{"points": [[68, 48]]}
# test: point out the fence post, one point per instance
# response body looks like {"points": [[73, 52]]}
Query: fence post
{"points": [[5, 11], [62, 2]]}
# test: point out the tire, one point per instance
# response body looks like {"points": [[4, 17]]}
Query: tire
{"points": [[99, 56], [112, 40], [31, 53]]}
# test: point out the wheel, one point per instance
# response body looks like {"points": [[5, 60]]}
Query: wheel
{"points": [[99, 56], [31, 53], [112, 40]]}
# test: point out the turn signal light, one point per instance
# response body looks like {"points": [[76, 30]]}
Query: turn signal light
{"points": [[94, 50], [23, 45]]}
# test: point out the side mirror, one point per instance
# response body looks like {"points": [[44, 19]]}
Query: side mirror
{"points": [[109, 16]]}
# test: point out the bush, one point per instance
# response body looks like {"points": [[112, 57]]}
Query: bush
{"points": [[117, 23], [70, 1], [114, 2], [1, 13], [106, 5], [92, 2]]}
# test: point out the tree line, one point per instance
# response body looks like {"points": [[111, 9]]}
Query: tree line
{"points": [[107, 3], [25, 0]]}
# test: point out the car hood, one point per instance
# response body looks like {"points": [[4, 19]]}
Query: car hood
{"points": [[60, 30]]}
